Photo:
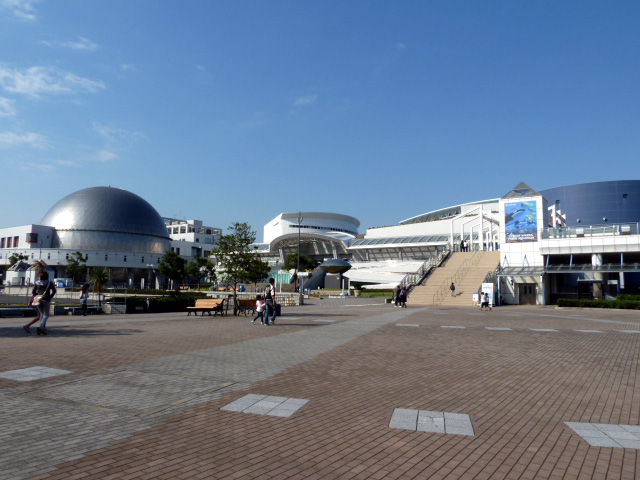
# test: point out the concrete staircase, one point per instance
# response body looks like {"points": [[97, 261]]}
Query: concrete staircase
{"points": [[477, 267]]}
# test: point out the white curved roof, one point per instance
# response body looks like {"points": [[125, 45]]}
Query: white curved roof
{"points": [[326, 215]]}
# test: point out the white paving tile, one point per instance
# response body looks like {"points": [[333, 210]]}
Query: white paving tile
{"points": [[608, 435], [431, 421], [407, 325], [33, 373], [451, 326], [590, 331], [543, 329], [629, 331], [266, 405], [498, 328]]}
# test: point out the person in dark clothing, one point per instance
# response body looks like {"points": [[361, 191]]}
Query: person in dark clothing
{"points": [[47, 289]]}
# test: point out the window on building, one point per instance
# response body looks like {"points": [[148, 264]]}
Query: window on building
{"points": [[67, 256], [48, 256], [15, 242], [183, 229], [209, 231], [3, 240], [176, 229], [32, 238], [178, 250], [9, 242], [32, 256], [198, 241], [124, 259], [106, 257], [141, 259]]}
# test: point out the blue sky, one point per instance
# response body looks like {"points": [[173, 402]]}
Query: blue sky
{"points": [[237, 111]]}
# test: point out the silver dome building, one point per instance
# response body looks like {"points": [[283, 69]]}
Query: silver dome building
{"points": [[108, 219]]}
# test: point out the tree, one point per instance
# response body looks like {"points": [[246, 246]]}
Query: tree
{"points": [[17, 257], [238, 260], [291, 263], [201, 267], [76, 266], [99, 277], [173, 266]]}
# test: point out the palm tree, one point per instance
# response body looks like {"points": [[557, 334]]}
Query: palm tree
{"points": [[99, 277]]}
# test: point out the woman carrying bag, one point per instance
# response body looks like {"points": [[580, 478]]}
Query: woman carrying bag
{"points": [[44, 290]]}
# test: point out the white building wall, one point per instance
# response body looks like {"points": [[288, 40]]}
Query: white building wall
{"points": [[45, 235], [287, 223]]}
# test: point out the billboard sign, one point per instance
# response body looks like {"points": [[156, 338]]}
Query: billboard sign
{"points": [[521, 221]]}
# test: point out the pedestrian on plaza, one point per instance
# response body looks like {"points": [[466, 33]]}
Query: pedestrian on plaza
{"points": [[270, 298], [453, 289], [260, 306], [402, 296], [396, 295], [84, 296], [44, 290], [462, 245], [27, 327], [485, 302]]}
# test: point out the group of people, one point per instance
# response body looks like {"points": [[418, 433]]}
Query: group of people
{"points": [[400, 294], [266, 303], [42, 293], [464, 246], [485, 301]]}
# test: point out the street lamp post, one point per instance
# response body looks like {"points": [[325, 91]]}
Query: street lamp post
{"points": [[300, 218]]}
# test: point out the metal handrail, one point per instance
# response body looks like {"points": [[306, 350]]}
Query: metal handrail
{"points": [[462, 270]]}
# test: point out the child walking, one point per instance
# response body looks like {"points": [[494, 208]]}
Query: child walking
{"points": [[260, 305]]}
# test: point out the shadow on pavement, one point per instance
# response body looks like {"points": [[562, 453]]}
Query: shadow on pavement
{"points": [[18, 332]]}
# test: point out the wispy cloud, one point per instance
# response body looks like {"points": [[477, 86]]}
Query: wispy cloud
{"points": [[129, 67], [36, 81], [83, 44], [6, 107], [37, 166], [305, 101], [67, 163], [390, 57], [117, 135], [30, 139], [106, 156], [21, 9]]}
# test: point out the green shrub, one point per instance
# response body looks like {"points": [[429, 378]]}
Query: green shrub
{"points": [[618, 304], [626, 296]]}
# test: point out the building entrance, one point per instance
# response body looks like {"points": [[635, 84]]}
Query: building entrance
{"points": [[527, 293]]}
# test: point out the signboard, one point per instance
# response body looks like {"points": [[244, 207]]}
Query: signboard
{"points": [[488, 288], [521, 221]]}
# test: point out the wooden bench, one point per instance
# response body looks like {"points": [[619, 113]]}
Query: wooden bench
{"points": [[245, 305], [215, 305]]}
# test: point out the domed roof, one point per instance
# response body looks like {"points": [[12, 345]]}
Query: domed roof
{"points": [[106, 218]]}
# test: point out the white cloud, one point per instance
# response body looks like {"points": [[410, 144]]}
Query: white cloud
{"points": [[35, 81], [400, 46], [83, 44], [106, 156], [6, 107], [22, 9], [37, 166], [117, 135], [67, 163], [129, 67], [305, 101], [31, 139]]}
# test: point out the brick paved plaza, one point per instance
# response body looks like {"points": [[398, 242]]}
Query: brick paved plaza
{"points": [[344, 388]]}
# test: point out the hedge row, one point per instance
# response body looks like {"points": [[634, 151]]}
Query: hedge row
{"points": [[158, 304], [626, 296], [620, 304]]}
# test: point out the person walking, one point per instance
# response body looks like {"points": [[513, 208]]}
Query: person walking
{"points": [[44, 290], [485, 302], [260, 305], [453, 289], [84, 297], [396, 296], [270, 298], [403, 297]]}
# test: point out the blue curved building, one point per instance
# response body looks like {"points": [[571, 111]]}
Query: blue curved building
{"points": [[597, 203]]}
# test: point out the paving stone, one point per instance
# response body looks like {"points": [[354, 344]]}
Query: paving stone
{"points": [[407, 325], [543, 330], [499, 328], [590, 331], [629, 331], [453, 326], [32, 373]]}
